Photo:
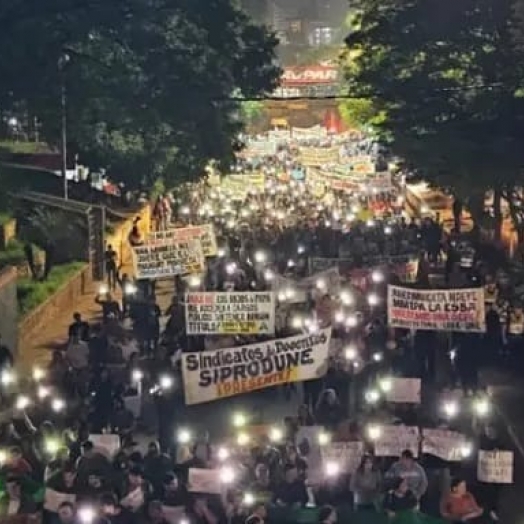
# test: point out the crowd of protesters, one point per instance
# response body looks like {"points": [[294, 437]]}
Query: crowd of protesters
{"points": [[73, 444]]}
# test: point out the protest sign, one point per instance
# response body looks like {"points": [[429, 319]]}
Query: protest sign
{"points": [[346, 454], [393, 440], [362, 167], [444, 444], [107, 443], [442, 310], [220, 313], [378, 182], [308, 133], [167, 258], [404, 390], [54, 499], [260, 148], [318, 156], [174, 514], [204, 481], [210, 375], [239, 186], [205, 233], [495, 467]]}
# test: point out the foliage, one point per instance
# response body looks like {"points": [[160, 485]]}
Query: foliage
{"points": [[32, 293], [12, 256], [10, 147], [5, 218], [147, 81], [447, 77], [359, 113], [251, 111], [59, 233]]}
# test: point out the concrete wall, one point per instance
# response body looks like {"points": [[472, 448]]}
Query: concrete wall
{"points": [[9, 308], [63, 301]]}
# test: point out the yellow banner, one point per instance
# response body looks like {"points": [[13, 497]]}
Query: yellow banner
{"points": [[239, 186], [318, 156]]}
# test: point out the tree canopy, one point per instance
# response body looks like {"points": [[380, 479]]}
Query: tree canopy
{"points": [[148, 82], [447, 77]]}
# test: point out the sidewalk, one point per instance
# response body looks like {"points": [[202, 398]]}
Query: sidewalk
{"points": [[54, 335]]}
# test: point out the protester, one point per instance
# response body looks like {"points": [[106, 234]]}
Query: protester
{"points": [[366, 485], [399, 499], [460, 505], [326, 257], [413, 473]]}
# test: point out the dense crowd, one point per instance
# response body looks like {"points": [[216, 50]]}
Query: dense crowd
{"points": [[77, 441]]}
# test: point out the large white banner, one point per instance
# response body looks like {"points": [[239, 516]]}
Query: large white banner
{"points": [[234, 313], [442, 309], [404, 391], [444, 444], [211, 375], [205, 233], [168, 258], [393, 440], [495, 467]]}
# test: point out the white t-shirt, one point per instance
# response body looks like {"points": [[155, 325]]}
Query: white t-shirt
{"points": [[13, 507], [78, 354]]}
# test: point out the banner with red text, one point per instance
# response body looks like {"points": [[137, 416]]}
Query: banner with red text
{"points": [[235, 313], [440, 309]]}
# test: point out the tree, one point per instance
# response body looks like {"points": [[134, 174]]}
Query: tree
{"points": [[61, 235], [447, 78], [148, 82]]}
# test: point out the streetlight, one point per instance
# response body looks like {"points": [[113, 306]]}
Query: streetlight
{"points": [[62, 62]]}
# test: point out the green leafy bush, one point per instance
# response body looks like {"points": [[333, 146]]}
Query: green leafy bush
{"points": [[32, 293], [12, 256]]}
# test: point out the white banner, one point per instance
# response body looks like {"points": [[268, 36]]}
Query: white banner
{"points": [[495, 467], [441, 310], [393, 440], [204, 481], [174, 514], [167, 258], [444, 444], [347, 455], [308, 133], [404, 391], [260, 148], [107, 443], [242, 313], [205, 233], [211, 375]]}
